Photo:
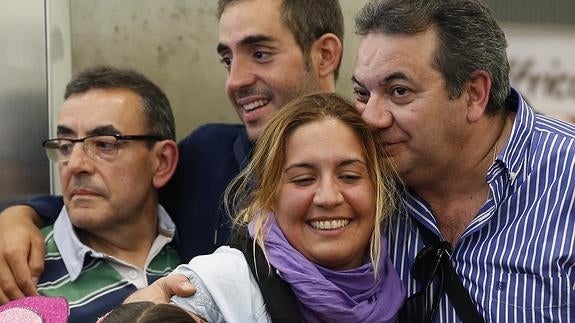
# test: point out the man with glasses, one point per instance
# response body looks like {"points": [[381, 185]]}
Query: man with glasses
{"points": [[114, 149], [489, 218]]}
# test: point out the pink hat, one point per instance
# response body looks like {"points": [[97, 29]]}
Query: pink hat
{"points": [[41, 309]]}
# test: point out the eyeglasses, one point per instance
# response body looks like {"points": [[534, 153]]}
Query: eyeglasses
{"points": [[427, 268], [96, 146]]}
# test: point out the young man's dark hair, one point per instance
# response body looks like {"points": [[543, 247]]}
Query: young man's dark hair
{"points": [[308, 20]]}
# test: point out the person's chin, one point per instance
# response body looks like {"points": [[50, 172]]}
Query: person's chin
{"points": [[81, 202], [254, 132], [255, 128]]}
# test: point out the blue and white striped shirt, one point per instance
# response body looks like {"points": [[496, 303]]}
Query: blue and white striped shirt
{"points": [[517, 256]]}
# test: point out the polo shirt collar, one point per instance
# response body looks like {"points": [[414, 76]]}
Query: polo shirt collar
{"points": [[73, 251]]}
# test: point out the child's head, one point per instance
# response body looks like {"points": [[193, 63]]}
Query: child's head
{"points": [[147, 312]]}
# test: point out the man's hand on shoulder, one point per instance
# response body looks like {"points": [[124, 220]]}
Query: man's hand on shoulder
{"points": [[163, 289]]}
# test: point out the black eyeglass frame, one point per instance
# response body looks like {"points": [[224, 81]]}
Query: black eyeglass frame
{"points": [[56, 157]]}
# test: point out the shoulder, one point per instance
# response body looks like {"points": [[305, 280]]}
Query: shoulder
{"points": [[214, 132], [226, 290], [539, 137], [554, 136], [211, 140], [165, 261], [548, 124], [224, 262], [528, 121]]}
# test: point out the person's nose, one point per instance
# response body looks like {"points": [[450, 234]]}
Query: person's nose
{"points": [[328, 194], [375, 113], [79, 161], [240, 75]]}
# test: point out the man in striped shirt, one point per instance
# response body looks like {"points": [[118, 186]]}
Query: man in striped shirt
{"points": [[115, 147], [482, 170]]}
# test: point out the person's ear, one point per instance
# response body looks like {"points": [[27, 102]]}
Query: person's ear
{"points": [[326, 54], [478, 88], [166, 159]]}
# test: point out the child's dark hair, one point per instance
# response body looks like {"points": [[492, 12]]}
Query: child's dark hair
{"points": [[147, 312]]}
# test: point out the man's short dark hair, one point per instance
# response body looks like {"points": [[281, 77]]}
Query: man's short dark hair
{"points": [[470, 39], [308, 20], [155, 104]]}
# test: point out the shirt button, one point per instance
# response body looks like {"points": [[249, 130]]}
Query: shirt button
{"points": [[133, 274], [512, 176]]}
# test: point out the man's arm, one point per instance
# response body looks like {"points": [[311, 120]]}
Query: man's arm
{"points": [[22, 245], [47, 207], [21, 252]]}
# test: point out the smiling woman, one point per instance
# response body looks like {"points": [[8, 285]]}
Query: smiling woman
{"points": [[313, 198]]}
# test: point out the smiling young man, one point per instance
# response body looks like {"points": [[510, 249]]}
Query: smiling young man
{"points": [[293, 49], [270, 63]]}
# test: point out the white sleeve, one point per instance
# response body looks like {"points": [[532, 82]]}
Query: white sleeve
{"points": [[226, 289], [201, 303]]}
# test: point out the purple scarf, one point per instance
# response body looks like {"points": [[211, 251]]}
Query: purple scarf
{"points": [[325, 295]]}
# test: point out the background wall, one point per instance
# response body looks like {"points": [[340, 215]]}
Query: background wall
{"points": [[173, 42], [34, 63], [550, 12]]}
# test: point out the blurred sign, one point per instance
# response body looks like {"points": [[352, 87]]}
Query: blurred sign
{"points": [[543, 68]]}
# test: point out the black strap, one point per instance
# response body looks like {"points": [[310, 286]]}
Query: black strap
{"points": [[281, 302], [457, 293]]}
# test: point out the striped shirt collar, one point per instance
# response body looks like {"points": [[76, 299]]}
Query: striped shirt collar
{"points": [[73, 251], [514, 150]]}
